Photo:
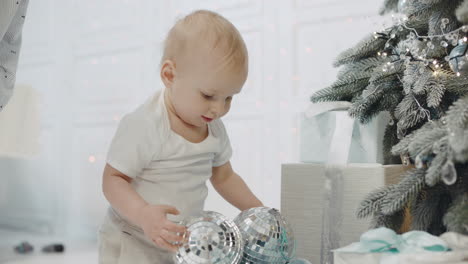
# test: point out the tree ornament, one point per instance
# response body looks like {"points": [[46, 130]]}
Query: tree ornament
{"points": [[403, 6], [212, 238], [418, 162], [267, 236], [449, 173], [458, 60], [299, 261]]}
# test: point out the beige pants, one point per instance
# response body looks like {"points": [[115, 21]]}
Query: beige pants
{"points": [[121, 243]]}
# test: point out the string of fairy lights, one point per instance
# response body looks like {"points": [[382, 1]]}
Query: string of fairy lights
{"points": [[455, 38], [417, 49]]}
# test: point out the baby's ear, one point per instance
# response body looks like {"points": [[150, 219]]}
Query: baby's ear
{"points": [[168, 73]]}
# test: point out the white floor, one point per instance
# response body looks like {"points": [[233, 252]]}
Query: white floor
{"points": [[71, 256], [74, 253]]}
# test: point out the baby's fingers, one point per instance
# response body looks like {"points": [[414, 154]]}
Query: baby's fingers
{"points": [[173, 227], [170, 209], [164, 244], [171, 237]]}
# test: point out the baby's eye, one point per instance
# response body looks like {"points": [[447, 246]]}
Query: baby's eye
{"points": [[207, 96]]}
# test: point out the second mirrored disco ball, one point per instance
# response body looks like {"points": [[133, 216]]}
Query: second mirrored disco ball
{"points": [[299, 261], [212, 238], [266, 235]]}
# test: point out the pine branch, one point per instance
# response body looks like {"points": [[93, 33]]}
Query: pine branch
{"points": [[413, 70], [372, 100], [389, 6], [402, 147], [423, 9], [457, 85], [457, 116], [391, 100], [437, 226], [447, 11], [375, 99], [372, 203], [393, 221], [410, 112], [462, 12], [372, 111], [406, 190], [457, 124], [418, 15], [369, 96], [421, 79], [433, 2], [435, 93], [424, 209], [342, 90], [437, 51], [456, 218], [366, 48], [461, 148], [406, 107], [423, 142], [438, 113], [390, 140], [380, 76], [433, 175], [365, 66]]}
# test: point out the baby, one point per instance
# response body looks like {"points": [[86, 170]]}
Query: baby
{"points": [[164, 152]]}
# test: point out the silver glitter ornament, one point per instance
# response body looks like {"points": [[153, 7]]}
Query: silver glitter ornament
{"points": [[403, 6], [419, 163], [449, 173], [458, 60], [212, 238], [267, 236]]}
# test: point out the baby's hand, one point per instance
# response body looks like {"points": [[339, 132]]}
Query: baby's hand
{"points": [[159, 229]]}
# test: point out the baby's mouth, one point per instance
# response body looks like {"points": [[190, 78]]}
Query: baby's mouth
{"points": [[207, 119]]}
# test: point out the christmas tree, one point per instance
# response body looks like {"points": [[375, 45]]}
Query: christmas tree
{"points": [[417, 70]]}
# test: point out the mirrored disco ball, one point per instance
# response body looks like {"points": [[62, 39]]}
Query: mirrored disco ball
{"points": [[212, 238], [267, 236], [299, 261]]}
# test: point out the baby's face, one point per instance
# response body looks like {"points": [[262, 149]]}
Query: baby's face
{"points": [[202, 92]]}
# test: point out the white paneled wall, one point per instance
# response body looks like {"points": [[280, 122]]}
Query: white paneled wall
{"points": [[94, 61]]}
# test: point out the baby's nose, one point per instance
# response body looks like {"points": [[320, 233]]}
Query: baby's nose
{"points": [[217, 108]]}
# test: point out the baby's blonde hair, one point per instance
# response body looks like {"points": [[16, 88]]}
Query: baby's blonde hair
{"points": [[211, 28]]}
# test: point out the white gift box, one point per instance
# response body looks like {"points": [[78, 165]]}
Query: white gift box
{"points": [[20, 124], [457, 243], [323, 123], [356, 258], [453, 257], [320, 202]]}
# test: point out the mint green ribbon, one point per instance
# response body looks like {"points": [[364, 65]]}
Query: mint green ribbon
{"points": [[386, 240]]}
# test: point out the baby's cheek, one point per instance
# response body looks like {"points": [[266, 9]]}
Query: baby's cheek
{"points": [[227, 106], [226, 109]]}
